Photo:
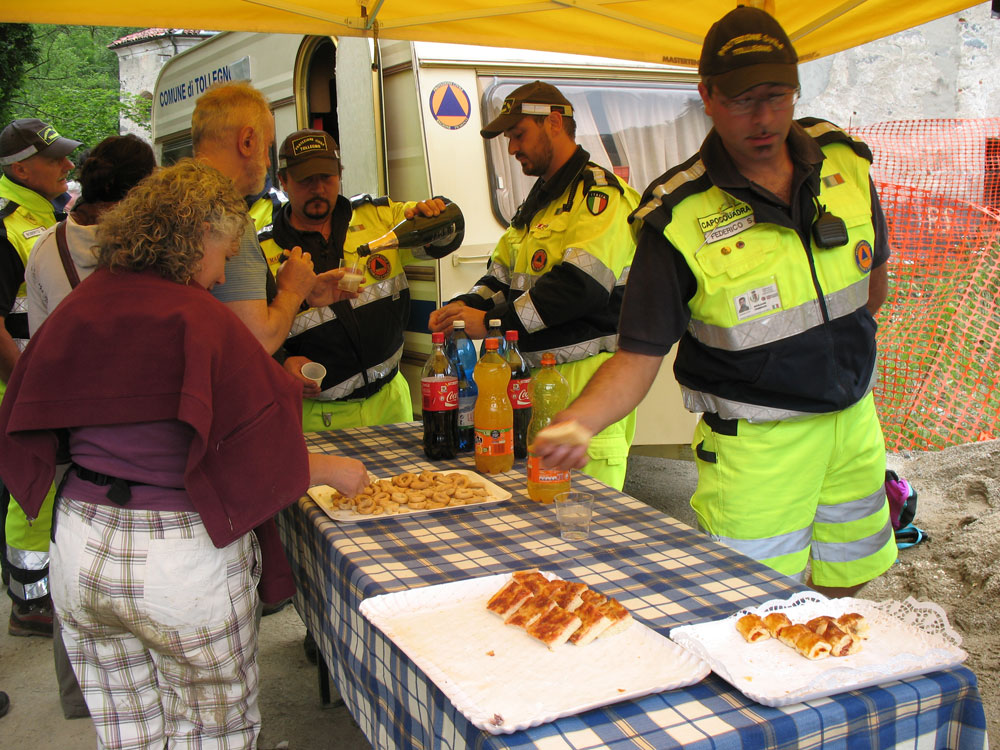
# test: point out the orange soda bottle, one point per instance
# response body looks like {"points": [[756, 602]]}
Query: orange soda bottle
{"points": [[549, 394], [493, 418]]}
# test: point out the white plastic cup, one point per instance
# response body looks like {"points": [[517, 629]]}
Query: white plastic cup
{"points": [[574, 509], [353, 276], [315, 372]]}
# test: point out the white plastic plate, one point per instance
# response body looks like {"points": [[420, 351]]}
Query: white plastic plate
{"points": [[502, 679], [322, 494], [906, 639]]}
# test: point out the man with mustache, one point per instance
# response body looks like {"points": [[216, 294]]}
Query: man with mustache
{"points": [[359, 341], [558, 273], [781, 214], [34, 160]]}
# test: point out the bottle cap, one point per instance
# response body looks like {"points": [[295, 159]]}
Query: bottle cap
{"points": [[437, 338], [548, 358], [492, 344], [458, 324], [511, 335]]}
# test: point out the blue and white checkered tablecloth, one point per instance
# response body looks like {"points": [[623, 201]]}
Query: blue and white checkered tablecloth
{"points": [[666, 573]]}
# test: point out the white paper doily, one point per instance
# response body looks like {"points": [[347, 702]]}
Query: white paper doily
{"points": [[906, 639]]}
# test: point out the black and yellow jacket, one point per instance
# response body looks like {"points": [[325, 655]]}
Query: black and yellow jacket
{"points": [[359, 341], [558, 274], [778, 325]]}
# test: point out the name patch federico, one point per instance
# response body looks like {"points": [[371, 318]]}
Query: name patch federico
{"points": [[726, 223]]}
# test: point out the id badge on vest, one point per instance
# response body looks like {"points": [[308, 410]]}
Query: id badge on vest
{"points": [[758, 300]]}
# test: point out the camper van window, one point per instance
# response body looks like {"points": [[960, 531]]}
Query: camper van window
{"points": [[174, 151], [638, 129]]}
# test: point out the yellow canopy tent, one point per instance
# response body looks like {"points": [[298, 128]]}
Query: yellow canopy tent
{"points": [[661, 31]]}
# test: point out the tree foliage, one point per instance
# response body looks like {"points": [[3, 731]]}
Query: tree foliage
{"points": [[72, 83], [17, 52]]}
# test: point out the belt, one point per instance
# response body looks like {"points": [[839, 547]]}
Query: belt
{"points": [[121, 489]]}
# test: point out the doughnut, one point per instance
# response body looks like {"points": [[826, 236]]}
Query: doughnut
{"points": [[399, 497], [419, 484], [404, 480], [463, 494], [417, 504]]}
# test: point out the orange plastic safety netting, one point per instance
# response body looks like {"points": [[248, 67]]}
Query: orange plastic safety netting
{"points": [[939, 330]]}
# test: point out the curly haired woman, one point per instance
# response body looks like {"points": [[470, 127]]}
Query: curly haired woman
{"points": [[184, 436]]}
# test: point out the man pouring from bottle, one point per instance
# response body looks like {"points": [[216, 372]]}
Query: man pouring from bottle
{"points": [[558, 273], [359, 341]]}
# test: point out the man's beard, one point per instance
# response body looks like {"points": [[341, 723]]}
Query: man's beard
{"points": [[316, 208], [538, 167]]}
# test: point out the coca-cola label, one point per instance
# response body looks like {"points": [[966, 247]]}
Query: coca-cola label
{"points": [[519, 393], [439, 394], [497, 442], [537, 473]]}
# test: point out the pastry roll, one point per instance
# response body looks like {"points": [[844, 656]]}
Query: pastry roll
{"points": [[841, 642], [752, 628], [776, 622], [806, 642], [854, 624]]}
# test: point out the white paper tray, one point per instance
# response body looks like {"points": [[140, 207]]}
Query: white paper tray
{"points": [[502, 679], [906, 639], [321, 494]]}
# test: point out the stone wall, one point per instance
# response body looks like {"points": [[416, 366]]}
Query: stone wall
{"points": [[945, 68]]}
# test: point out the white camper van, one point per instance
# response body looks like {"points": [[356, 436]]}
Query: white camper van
{"points": [[407, 117]]}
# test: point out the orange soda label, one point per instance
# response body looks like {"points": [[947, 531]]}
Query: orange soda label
{"points": [[495, 442], [540, 475]]}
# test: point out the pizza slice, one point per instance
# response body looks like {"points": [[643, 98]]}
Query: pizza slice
{"points": [[554, 627], [508, 600], [530, 611]]}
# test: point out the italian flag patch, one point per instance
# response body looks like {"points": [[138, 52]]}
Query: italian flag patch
{"points": [[596, 202]]}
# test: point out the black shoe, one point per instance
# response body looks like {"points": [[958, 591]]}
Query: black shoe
{"points": [[4, 704], [274, 608], [309, 646], [31, 619]]}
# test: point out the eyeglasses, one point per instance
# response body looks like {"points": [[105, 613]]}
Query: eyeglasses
{"points": [[777, 102]]}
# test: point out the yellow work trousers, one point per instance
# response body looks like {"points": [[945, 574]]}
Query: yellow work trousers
{"points": [[390, 405]]}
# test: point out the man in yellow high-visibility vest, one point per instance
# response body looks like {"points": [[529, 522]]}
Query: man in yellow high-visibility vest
{"points": [[764, 256]]}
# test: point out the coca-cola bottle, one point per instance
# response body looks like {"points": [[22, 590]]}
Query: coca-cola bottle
{"points": [[439, 398], [419, 231], [519, 392]]}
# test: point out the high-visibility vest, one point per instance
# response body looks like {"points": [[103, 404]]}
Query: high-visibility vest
{"points": [[779, 328]]}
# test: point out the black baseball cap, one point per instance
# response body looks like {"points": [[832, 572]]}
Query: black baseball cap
{"points": [[745, 48], [24, 138], [309, 152], [534, 98]]}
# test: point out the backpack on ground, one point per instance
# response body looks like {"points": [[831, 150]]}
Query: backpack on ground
{"points": [[902, 510]]}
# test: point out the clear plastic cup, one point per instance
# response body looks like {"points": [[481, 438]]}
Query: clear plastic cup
{"points": [[354, 274], [574, 509]]}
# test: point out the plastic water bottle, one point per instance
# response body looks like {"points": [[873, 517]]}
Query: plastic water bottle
{"points": [[439, 399], [519, 393], [549, 394], [496, 332], [493, 417], [462, 353]]}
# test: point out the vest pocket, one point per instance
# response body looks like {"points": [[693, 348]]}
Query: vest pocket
{"points": [[727, 258]]}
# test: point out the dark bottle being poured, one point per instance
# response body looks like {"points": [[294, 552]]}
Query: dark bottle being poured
{"points": [[419, 231]]}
